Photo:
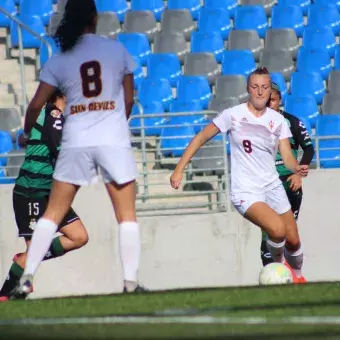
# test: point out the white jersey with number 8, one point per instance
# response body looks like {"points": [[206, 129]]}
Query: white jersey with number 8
{"points": [[253, 143], [90, 76]]}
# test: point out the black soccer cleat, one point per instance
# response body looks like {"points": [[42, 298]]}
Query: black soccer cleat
{"points": [[138, 289], [23, 289]]}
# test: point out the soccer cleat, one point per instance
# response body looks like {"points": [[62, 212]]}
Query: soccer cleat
{"points": [[295, 278], [138, 289], [3, 298], [300, 280], [23, 289]]}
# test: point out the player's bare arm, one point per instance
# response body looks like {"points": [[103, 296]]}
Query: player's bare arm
{"points": [[200, 139], [128, 86]]}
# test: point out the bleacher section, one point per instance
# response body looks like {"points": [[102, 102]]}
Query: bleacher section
{"points": [[195, 55]]}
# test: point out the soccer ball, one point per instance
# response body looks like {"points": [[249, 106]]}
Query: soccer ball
{"points": [[275, 274]]}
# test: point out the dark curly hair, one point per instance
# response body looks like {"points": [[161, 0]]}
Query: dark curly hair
{"points": [[78, 15]]}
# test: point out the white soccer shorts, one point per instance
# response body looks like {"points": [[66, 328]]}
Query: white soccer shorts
{"points": [[276, 198], [80, 166]]}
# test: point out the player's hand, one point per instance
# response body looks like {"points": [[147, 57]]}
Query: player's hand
{"points": [[22, 140], [295, 182], [176, 179], [302, 170]]}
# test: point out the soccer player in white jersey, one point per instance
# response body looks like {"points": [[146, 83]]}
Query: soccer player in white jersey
{"points": [[96, 76], [256, 132]]}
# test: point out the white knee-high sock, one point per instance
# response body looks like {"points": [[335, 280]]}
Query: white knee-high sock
{"points": [[276, 250], [41, 241], [129, 244], [295, 260]]}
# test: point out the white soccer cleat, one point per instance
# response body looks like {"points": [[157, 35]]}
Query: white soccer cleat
{"points": [[24, 288]]}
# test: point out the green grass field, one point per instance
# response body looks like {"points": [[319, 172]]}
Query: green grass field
{"points": [[293, 311]]}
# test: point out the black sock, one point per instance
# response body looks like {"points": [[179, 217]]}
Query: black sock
{"points": [[12, 279], [265, 254], [56, 250]]}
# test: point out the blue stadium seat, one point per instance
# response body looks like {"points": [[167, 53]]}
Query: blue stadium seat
{"points": [[337, 58], [288, 17], [326, 2], [194, 88], [18, 134], [208, 42], [174, 140], [42, 8], [279, 79], [155, 6], [164, 65], [320, 15], [320, 38], [9, 6], [251, 18], [215, 20], [303, 83], [5, 146], [44, 51], [314, 61], [329, 125], [28, 40], [304, 4], [230, 5], [155, 91], [120, 7], [138, 74], [152, 125], [303, 107], [137, 44], [238, 62], [192, 5], [188, 106]]}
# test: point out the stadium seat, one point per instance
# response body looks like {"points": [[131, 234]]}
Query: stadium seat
{"points": [[245, 40], [303, 83], [17, 135], [42, 8], [197, 121], [208, 42], [329, 126], [54, 23], [164, 66], [314, 61], [331, 104], [326, 2], [194, 88], [303, 4], [231, 86], [178, 21], [174, 140], [251, 18], [28, 40], [320, 38], [5, 146], [171, 43], [44, 51], [230, 5], [193, 6], [303, 107], [120, 7], [215, 20], [334, 82], [156, 6], [267, 4], [278, 61], [138, 74], [288, 17], [10, 121], [279, 79], [320, 15], [238, 62], [9, 6], [152, 125], [14, 163], [141, 22], [282, 39], [137, 44], [108, 24], [201, 64], [219, 105], [155, 91]]}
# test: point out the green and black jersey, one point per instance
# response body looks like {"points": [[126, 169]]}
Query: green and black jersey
{"points": [[300, 137], [35, 176]]}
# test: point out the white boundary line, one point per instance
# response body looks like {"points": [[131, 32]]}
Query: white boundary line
{"points": [[207, 320]]}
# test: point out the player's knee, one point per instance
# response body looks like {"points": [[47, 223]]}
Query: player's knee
{"points": [[278, 232]]}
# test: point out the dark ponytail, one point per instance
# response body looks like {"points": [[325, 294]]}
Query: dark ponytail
{"points": [[78, 15]]}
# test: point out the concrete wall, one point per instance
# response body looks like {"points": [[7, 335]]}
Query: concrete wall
{"points": [[179, 251]]}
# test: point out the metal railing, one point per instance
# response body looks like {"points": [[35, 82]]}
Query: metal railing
{"points": [[21, 25]]}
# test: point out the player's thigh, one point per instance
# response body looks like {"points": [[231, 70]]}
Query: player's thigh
{"points": [[295, 200], [123, 198], [292, 233]]}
